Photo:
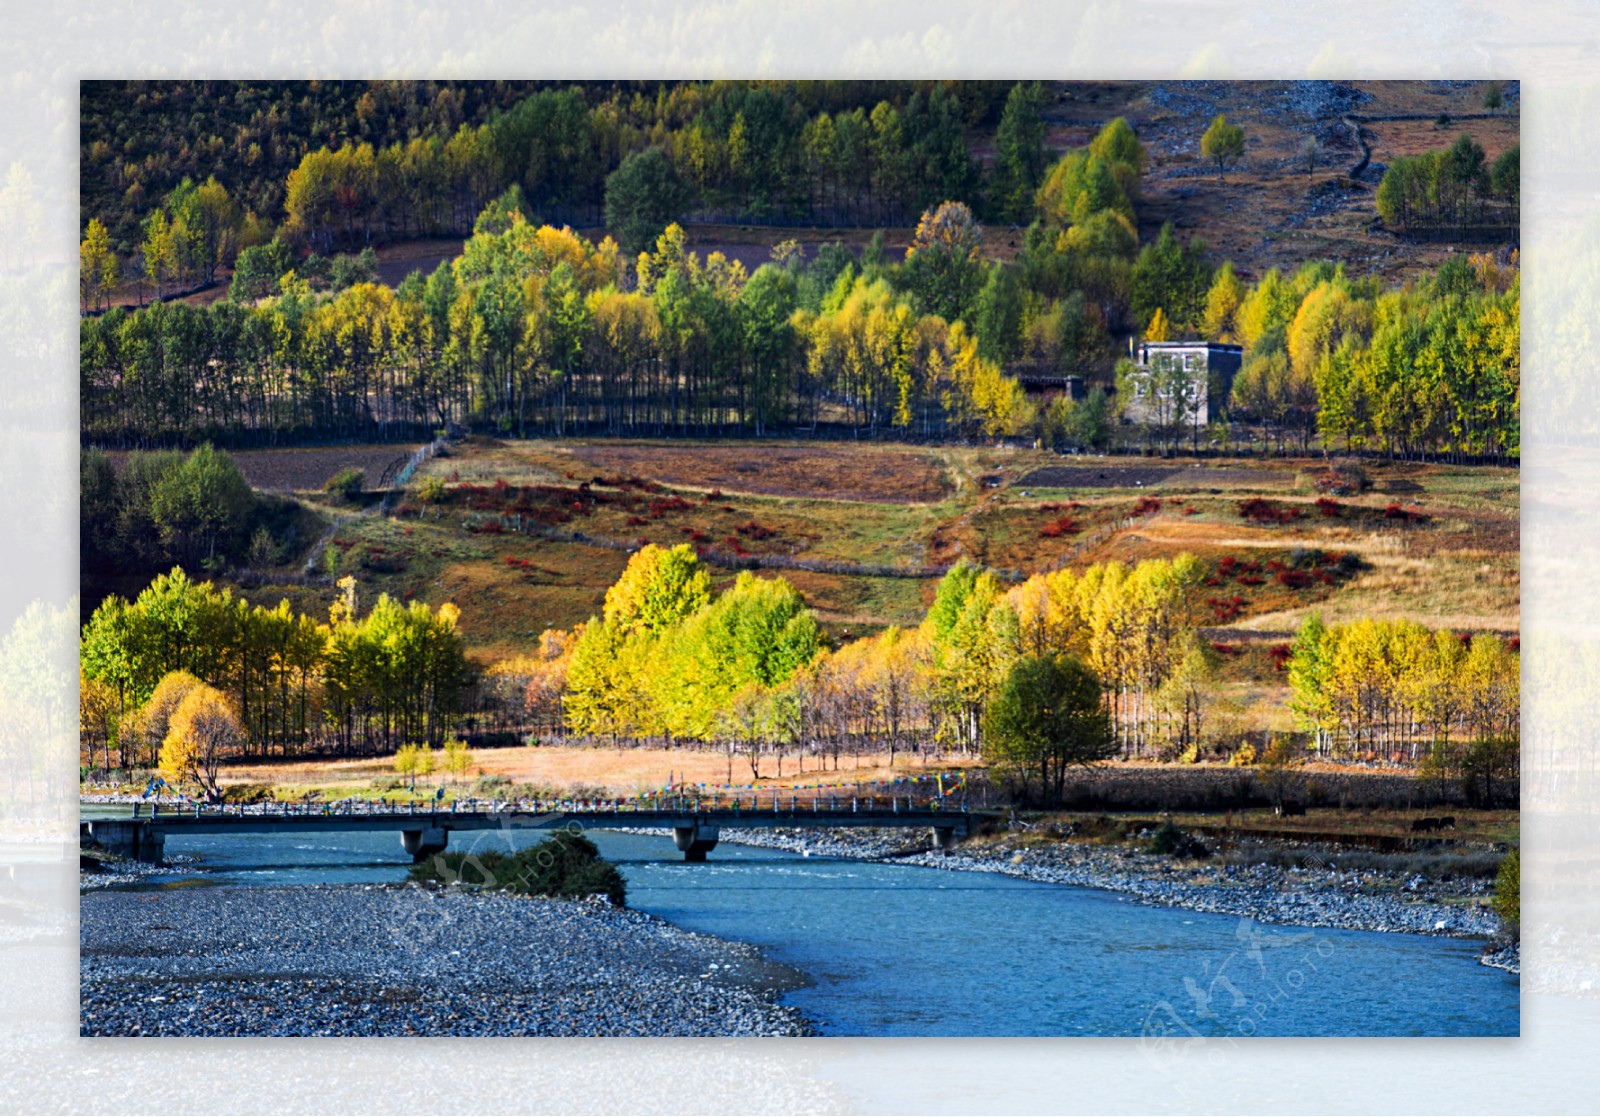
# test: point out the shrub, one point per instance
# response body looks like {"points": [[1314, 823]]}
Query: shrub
{"points": [[565, 866], [1169, 841], [1508, 893], [1243, 757], [1260, 511], [347, 483], [431, 491], [1329, 507], [491, 787]]}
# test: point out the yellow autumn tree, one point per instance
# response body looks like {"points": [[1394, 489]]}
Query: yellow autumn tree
{"points": [[204, 729], [1159, 328], [147, 728], [1222, 304]]}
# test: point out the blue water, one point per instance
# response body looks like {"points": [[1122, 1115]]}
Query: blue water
{"points": [[899, 950]]}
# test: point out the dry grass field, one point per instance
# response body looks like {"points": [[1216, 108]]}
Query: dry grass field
{"points": [[620, 771], [1438, 544]]}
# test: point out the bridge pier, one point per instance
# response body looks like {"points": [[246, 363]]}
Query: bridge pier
{"points": [[695, 840], [423, 844], [131, 838], [944, 839]]}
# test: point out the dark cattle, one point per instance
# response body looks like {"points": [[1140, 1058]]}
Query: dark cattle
{"points": [[1448, 822], [1424, 825], [1289, 810]]}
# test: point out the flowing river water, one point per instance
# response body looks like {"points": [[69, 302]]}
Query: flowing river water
{"points": [[900, 950]]}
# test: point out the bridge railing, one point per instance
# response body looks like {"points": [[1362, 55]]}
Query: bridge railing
{"points": [[776, 800]]}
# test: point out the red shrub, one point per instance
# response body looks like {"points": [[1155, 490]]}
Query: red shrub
{"points": [[1260, 511], [1224, 609], [637, 521], [666, 505], [1057, 528], [1294, 579], [753, 530], [1147, 505], [1251, 580], [1281, 655], [1330, 508]]}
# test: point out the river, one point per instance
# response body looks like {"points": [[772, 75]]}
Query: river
{"points": [[901, 950]]}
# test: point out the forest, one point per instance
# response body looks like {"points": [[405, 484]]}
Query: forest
{"points": [[537, 331], [348, 163]]}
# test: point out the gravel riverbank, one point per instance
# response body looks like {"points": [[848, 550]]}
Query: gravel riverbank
{"points": [[369, 960], [1309, 897]]}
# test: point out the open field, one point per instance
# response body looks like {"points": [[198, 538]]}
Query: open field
{"points": [[530, 534], [307, 468], [1342, 801], [621, 771]]}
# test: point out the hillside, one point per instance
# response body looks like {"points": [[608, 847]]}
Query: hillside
{"points": [[877, 525]]}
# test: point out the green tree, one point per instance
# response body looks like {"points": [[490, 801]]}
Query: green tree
{"points": [[1047, 716], [1172, 277], [1018, 155], [1310, 151], [944, 264], [1223, 143], [1506, 175], [258, 270], [1508, 893], [643, 196], [1493, 96], [202, 508]]}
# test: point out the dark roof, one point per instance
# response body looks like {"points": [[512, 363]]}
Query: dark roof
{"points": [[1193, 345]]}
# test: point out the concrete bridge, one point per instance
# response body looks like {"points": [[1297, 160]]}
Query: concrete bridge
{"points": [[425, 831]]}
